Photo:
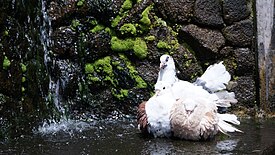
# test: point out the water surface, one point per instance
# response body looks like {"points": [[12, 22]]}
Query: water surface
{"points": [[122, 137]]}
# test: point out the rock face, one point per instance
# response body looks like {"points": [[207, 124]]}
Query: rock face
{"points": [[208, 12], [234, 11], [102, 56], [205, 42], [177, 10], [240, 33], [245, 90], [245, 61]]}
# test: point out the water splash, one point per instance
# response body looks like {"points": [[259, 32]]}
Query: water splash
{"points": [[63, 126]]}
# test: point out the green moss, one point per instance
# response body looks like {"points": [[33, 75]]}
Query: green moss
{"points": [[23, 68], [115, 22], [93, 22], [121, 45], [6, 63], [162, 44], [127, 5], [188, 63], [23, 89], [80, 3], [111, 32], [100, 70], [89, 68], [75, 23], [97, 28], [93, 78], [140, 83], [128, 29], [174, 42], [159, 22], [23, 79], [104, 65], [145, 20], [150, 38], [140, 48], [6, 33], [120, 94]]}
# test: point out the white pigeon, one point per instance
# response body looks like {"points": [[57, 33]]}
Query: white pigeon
{"points": [[167, 72], [196, 118], [212, 83], [155, 116]]}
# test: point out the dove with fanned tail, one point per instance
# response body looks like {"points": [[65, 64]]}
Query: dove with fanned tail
{"points": [[187, 110]]}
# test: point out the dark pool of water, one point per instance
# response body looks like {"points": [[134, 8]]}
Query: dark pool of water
{"points": [[122, 137]]}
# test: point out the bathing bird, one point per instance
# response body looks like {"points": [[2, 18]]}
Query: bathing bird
{"points": [[212, 83], [156, 115]]}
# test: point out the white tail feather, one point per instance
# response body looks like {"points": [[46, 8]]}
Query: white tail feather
{"points": [[231, 118], [224, 126], [215, 78], [226, 96]]}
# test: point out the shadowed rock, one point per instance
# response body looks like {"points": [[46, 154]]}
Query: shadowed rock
{"points": [[208, 12], [239, 61], [245, 90], [64, 41], [245, 61], [187, 64], [235, 10], [239, 34], [176, 10], [205, 42]]}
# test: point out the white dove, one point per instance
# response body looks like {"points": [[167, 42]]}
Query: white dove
{"points": [[211, 84], [161, 116]]}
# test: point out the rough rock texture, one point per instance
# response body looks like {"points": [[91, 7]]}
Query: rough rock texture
{"points": [[176, 10], [208, 12], [245, 90], [239, 61], [235, 10], [245, 61], [205, 42], [187, 64], [240, 33], [64, 42]]}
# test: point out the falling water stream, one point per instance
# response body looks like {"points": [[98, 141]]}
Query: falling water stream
{"points": [[63, 123]]}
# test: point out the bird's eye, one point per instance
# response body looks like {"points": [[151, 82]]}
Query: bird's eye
{"points": [[167, 58], [163, 88]]}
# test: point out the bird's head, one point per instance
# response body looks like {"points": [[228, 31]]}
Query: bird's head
{"points": [[166, 61], [161, 87]]}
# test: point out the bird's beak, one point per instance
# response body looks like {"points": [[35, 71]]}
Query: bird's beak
{"points": [[162, 65], [157, 92]]}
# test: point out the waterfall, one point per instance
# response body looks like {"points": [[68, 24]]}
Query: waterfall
{"points": [[54, 85], [266, 53]]}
